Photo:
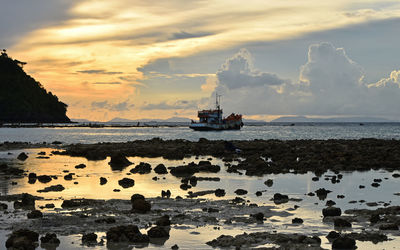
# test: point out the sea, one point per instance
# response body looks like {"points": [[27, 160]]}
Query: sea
{"points": [[124, 132], [194, 237]]}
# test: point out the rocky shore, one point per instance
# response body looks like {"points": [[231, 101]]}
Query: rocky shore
{"points": [[150, 220]]}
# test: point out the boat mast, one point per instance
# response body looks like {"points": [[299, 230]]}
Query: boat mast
{"points": [[217, 101]]}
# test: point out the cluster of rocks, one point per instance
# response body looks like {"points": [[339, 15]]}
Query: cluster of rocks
{"points": [[192, 168]]}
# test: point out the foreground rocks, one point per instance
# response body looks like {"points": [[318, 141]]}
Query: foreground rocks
{"points": [[129, 233], [286, 241], [22, 239]]}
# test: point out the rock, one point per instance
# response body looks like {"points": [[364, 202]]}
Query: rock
{"points": [[330, 203], [116, 190], [103, 181], [322, 193], [3, 206], [377, 180], [27, 202], [137, 197], [269, 182], [375, 184], [344, 242], [396, 175], [140, 205], [22, 239], [315, 178], [142, 168], [371, 204], [175, 247], [35, 214], [163, 221], [332, 235], [68, 177], [340, 196], [240, 191], [128, 233], [50, 238], [158, 232], [165, 194], [126, 182], [49, 205], [42, 153], [108, 220], [22, 156], [280, 198], [339, 222], [258, 216], [73, 203], [160, 169], [297, 221], [185, 186], [89, 239], [119, 162], [80, 166], [219, 192], [331, 211], [54, 188], [32, 176], [44, 178], [258, 193], [389, 226], [192, 168], [361, 186]]}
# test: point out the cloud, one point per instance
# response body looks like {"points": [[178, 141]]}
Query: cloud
{"points": [[330, 83], [181, 104], [392, 81], [239, 71], [121, 106], [186, 35], [99, 71], [107, 83]]}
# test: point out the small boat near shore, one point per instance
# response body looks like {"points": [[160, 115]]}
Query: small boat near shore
{"points": [[212, 119]]}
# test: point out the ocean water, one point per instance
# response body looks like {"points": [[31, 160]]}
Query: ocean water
{"points": [[283, 131]]}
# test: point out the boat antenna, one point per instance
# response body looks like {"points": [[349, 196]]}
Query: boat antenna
{"points": [[217, 100]]}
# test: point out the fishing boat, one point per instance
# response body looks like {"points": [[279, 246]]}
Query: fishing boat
{"points": [[212, 119]]}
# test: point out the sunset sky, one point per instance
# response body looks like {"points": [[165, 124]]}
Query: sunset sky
{"points": [[146, 59]]}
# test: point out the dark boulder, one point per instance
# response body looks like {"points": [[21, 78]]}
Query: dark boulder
{"points": [[331, 211], [390, 226], [330, 203], [141, 206], [160, 169], [269, 182], [297, 221], [322, 193], [280, 198], [128, 233], [89, 239], [219, 192], [50, 238], [332, 235], [22, 239], [80, 166], [119, 162], [339, 222], [27, 202], [163, 221], [22, 156], [68, 177], [142, 168], [103, 181], [158, 232], [44, 178], [126, 182], [240, 191], [54, 188], [35, 214], [258, 193], [137, 197], [165, 194], [344, 242], [258, 216]]}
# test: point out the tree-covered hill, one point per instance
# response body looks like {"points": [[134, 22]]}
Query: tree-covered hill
{"points": [[22, 99]]}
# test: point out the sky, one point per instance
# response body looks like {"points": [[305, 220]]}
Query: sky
{"points": [[145, 59]]}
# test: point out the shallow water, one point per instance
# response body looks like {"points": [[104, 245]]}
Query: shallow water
{"points": [[270, 131], [296, 186]]}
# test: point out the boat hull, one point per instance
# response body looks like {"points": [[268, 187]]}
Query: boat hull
{"points": [[214, 127]]}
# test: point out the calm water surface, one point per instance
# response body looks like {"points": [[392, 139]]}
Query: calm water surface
{"points": [[271, 131]]}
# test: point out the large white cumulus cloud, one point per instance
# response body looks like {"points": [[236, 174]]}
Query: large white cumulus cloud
{"points": [[329, 83]]}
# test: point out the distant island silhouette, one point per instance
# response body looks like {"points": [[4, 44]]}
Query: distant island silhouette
{"points": [[24, 100]]}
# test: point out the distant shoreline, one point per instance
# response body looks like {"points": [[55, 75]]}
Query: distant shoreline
{"points": [[171, 124]]}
